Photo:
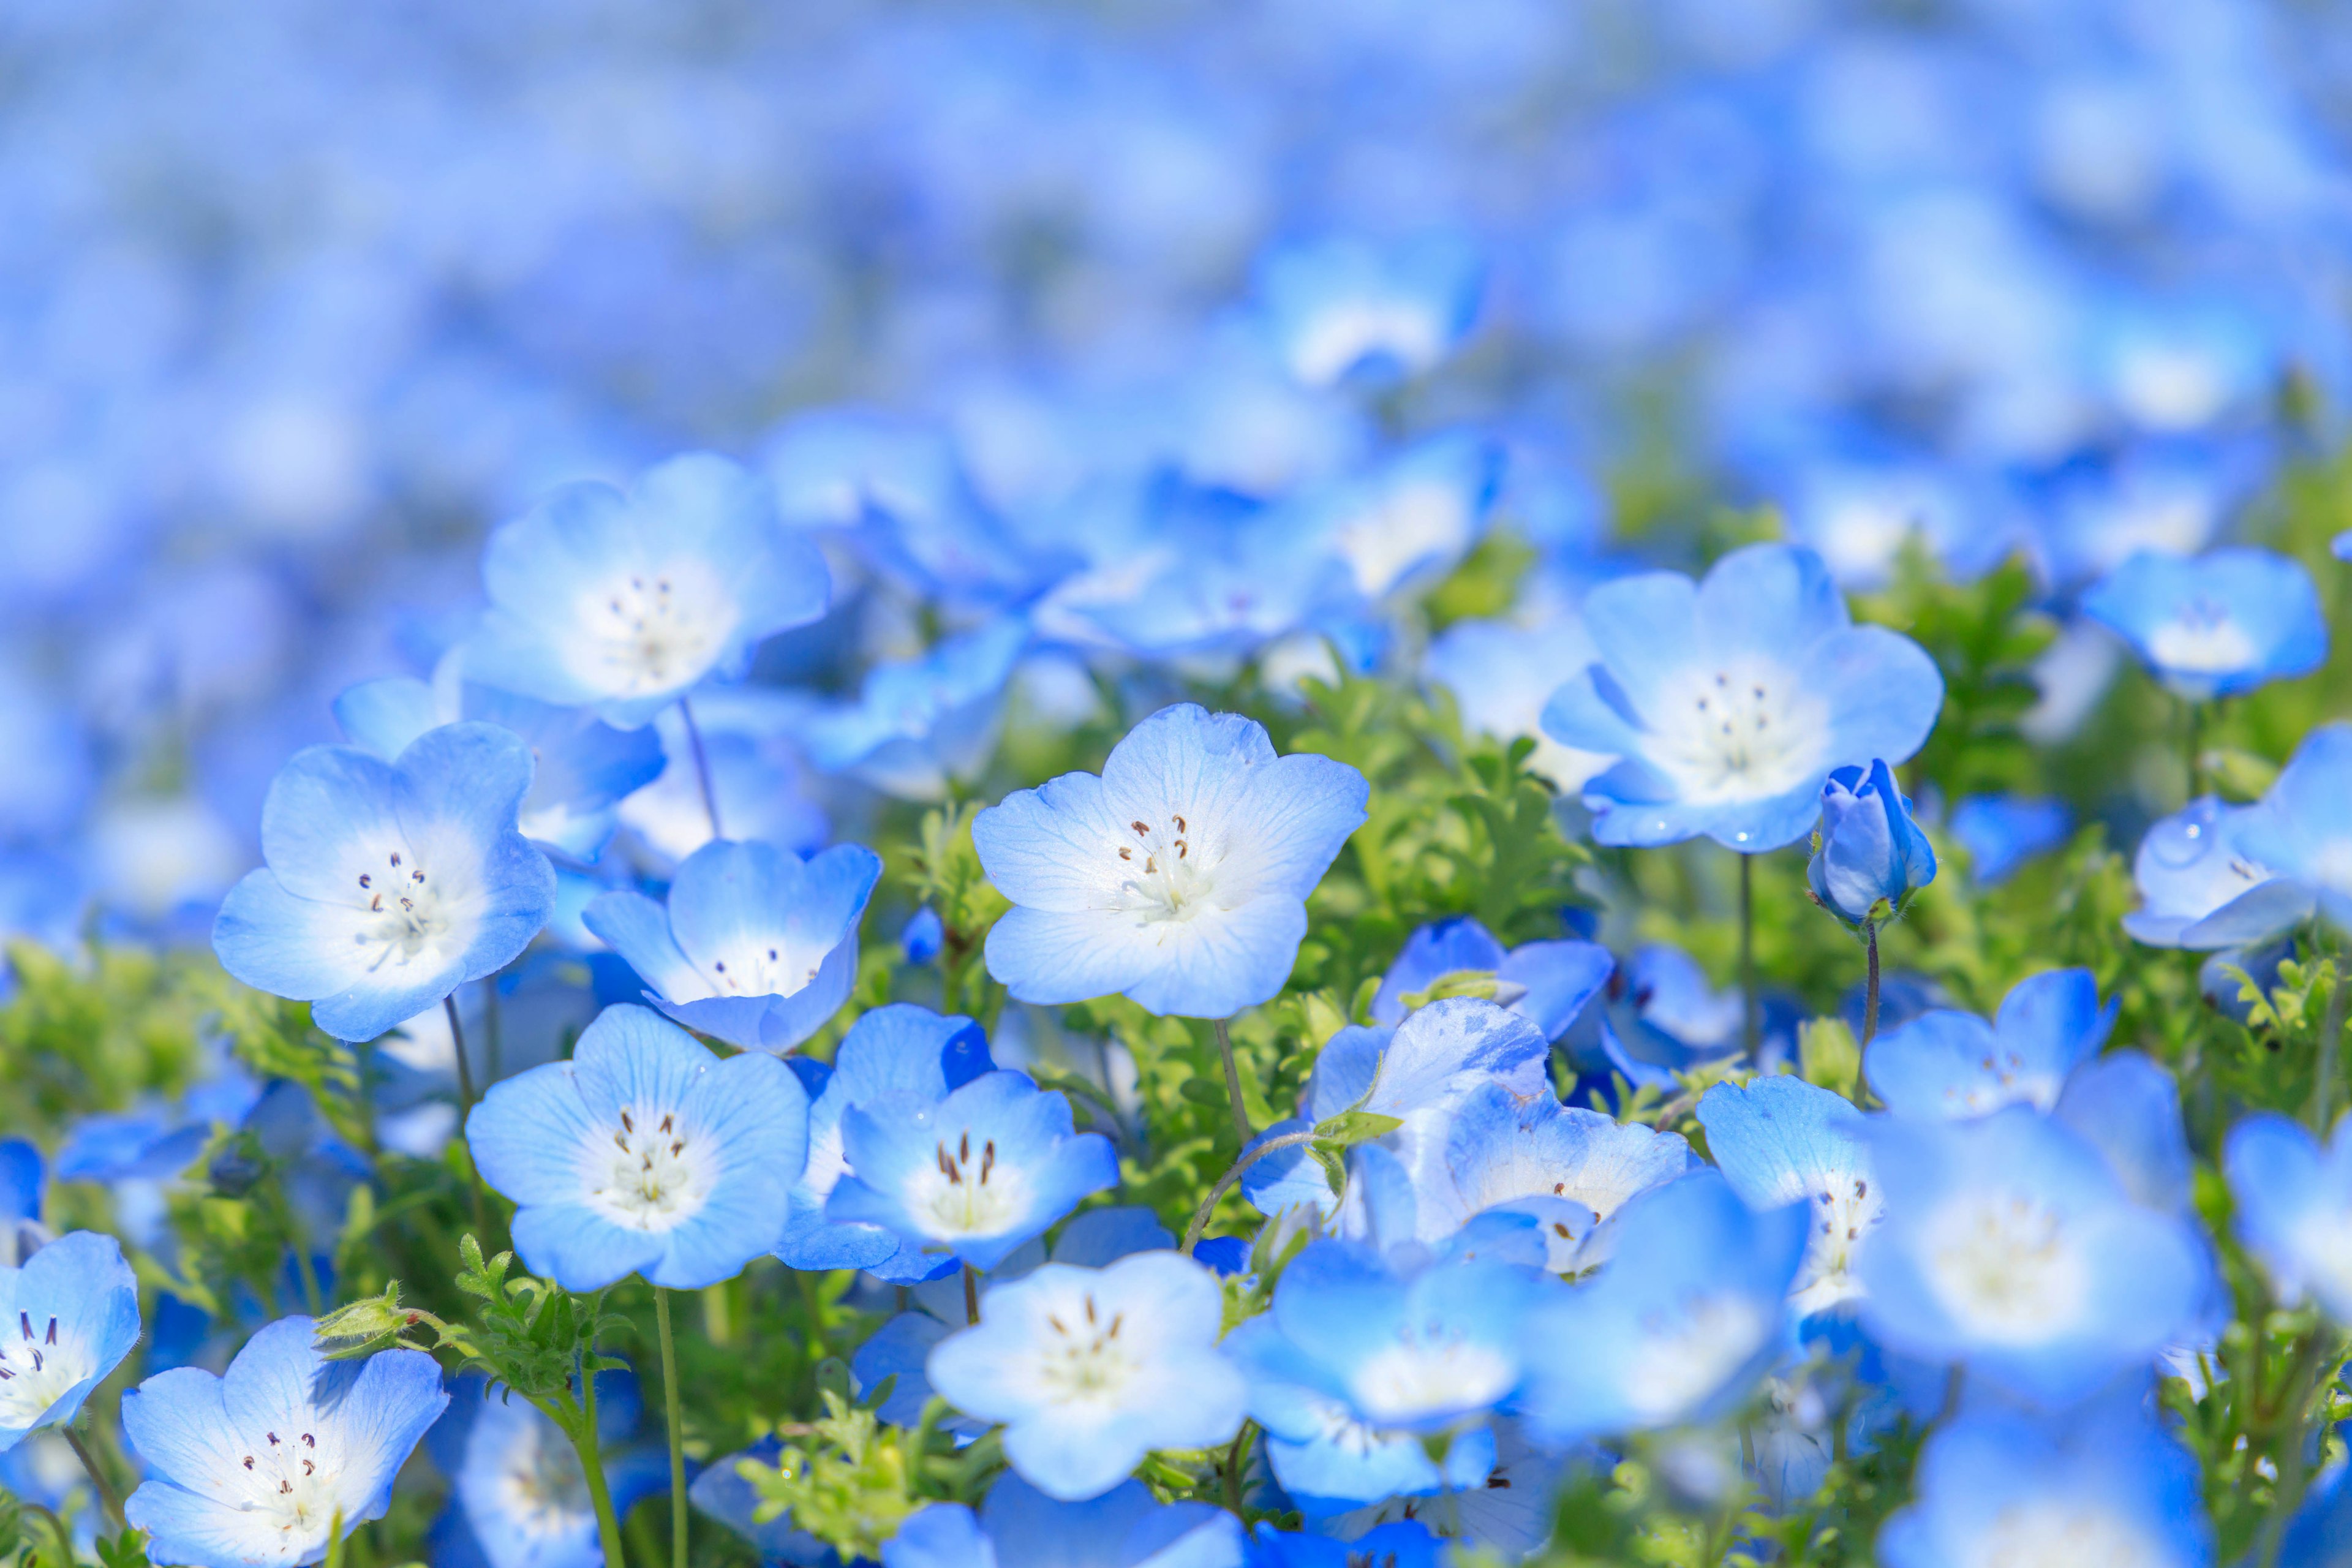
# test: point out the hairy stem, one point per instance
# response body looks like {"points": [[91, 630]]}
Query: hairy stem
{"points": [[579, 1424], [1201, 1217], [672, 1409], [1233, 1082], [466, 1115], [1870, 992], [2331, 1038], [970, 1294], [108, 1498], [1750, 1026]]}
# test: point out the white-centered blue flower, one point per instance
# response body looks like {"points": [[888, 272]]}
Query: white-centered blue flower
{"points": [[921, 725], [2302, 828], [1020, 1526], [1781, 1141], [1090, 1369], [1946, 1063], [67, 1317], [2200, 888], [389, 885], [2214, 625], [257, 1465], [1178, 877], [1346, 306], [2295, 1207], [519, 1495]]}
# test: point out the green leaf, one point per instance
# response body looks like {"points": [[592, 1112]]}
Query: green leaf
{"points": [[1350, 1127]]}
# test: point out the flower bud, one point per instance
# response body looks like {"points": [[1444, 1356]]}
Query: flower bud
{"points": [[1869, 856]]}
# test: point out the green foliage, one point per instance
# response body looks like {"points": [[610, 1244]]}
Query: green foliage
{"points": [[845, 1479], [1984, 637], [77, 1038]]}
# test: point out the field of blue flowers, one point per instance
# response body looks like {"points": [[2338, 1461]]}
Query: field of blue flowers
{"points": [[1139, 784]]}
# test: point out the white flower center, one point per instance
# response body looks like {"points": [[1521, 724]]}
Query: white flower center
{"points": [[965, 1191], [653, 1174], [1685, 1354], [287, 1483], [1162, 880], [538, 1489], [1844, 1212], [2004, 1265], [1086, 1362], [762, 969], [407, 914], [657, 630], [1741, 733], [36, 1368], [1430, 1368], [1338, 337], [2050, 1533], [2203, 639], [1411, 524]]}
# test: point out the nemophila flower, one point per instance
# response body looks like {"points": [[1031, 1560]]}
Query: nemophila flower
{"points": [[625, 601], [974, 1174], [755, 945], [1667, 1019], [1338, 307], [1411, 518], [1679, 1324], [1778, 1140], [519, 1497], [757, 777], [71, 1312], [2008, 1244], [255, 1465], [389, 885], [1508, 1512], [1017, 1525], [1502, 675], [583, 768], [24, 1186], [2128, 1109], [2295, 1207], [1547, 982], [2302, 827], [2003, 832], [643, 1154], [920, 725], [1946, 1063], [2111, 1487], [1870, 856], [1178, 877], [1728, 701], [2198, 889], [1088, 1370], [1405, 1543], [893, 1052], [2214, 625]]}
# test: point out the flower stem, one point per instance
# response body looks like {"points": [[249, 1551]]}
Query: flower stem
{"points": [[1750, 1028], [582, 1429], [1870, 991], [701, 765], [2331, 1038], [1233, 1083], [971, 1295], [465, 1114], [672, 1408], [1201, 1217], [1234, 1456], [107, 1499]]}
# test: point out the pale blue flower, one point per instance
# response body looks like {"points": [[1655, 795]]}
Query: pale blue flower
{"points": [[1178, 877], [1547, 982], [389, 885], [1501, 675], [922, 725], [1410, 520], [255, 1465], [518, 1495], [1020, 1526], [2294, 1205], [1342, 306], [755, 945], [71, 1314], [2198, 887], [2215, 624], [2003, 832], [1728, 701], [1946, 1063], [2302, 829], [1870, 858], [1781, 1141]]}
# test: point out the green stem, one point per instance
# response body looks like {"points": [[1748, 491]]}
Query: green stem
{"points": [[579, 1424], [1870, 993], [2331, 1036], [971, 1295], [673, 1407], [466, 1115], [1200, 1215], [2194, 730], [701, 766], [58, 1529], [107, 1496], [2286, 1496], [1750, 1017], [335, 1541], [1233, 1082], [1234, 1456], [312, 1301]]}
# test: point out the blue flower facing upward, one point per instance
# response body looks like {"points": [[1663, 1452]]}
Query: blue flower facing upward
{"points": [[1949, 1064], [1344, 306], [755, 945], [519, 1497], [1547, 982], [1728, 701], [255, 1465], [1019, 1525], [626, 602], [72, 1313], [2295, 1207], [1870, 856], [643, 1154], [1090, 1369], [2200, 888], [923, 724], [1781, 1141], [389, 885], [974, 1173], [2214, 625], [1178, 877]]}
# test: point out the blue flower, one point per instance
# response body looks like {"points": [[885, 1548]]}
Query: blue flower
{"points": [[75, 1305], [1409, 520], [756, 946], [1870, 856], [1727, 702], [2001, 832], [757, 778], [1547, 982], [1501, 675], [1946, 1063], [2214, 625], [722, 1493], [643, 1154], [2295, 1207], [1678, 1326], [975, 1174], [2302, 828], [2109, 1486], [2010, 1246], [626, 602], [923, 935], [584, 767], [1342, 305], [899, 1050], [1781, 1141], [518, 1495], [922, 725], [389, 885], [255, 1465], [1018, 1525], [1404, 1543], [1667, 1020], [1178, 877], [1090, 1369], [2199, 889]]}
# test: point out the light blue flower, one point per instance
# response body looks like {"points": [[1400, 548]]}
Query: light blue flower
{"points": [[2010, 1245], [2302, 829], [1781, 1141], [71, 1313], [1678, 1326], [1501, 675], [23, 1187], [643, 1154], [2108, 1487], [1019, 1526], [253, 1466], [1547, 983], [2214, 625], [1667, 1019], [900, 1050], [2295, 1207], [755, 945], [757, 778], [1946, 1063], [1410, 520], [920, 725], [1090, 1369], [1869, 858], [583, 767], [1404, 1543], [389, 885], [975, 1174], [1338, 307], [1728, 701], [2003, 832], [518, 1495], [626, 602], [2199, 889], [1178, 877]]}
